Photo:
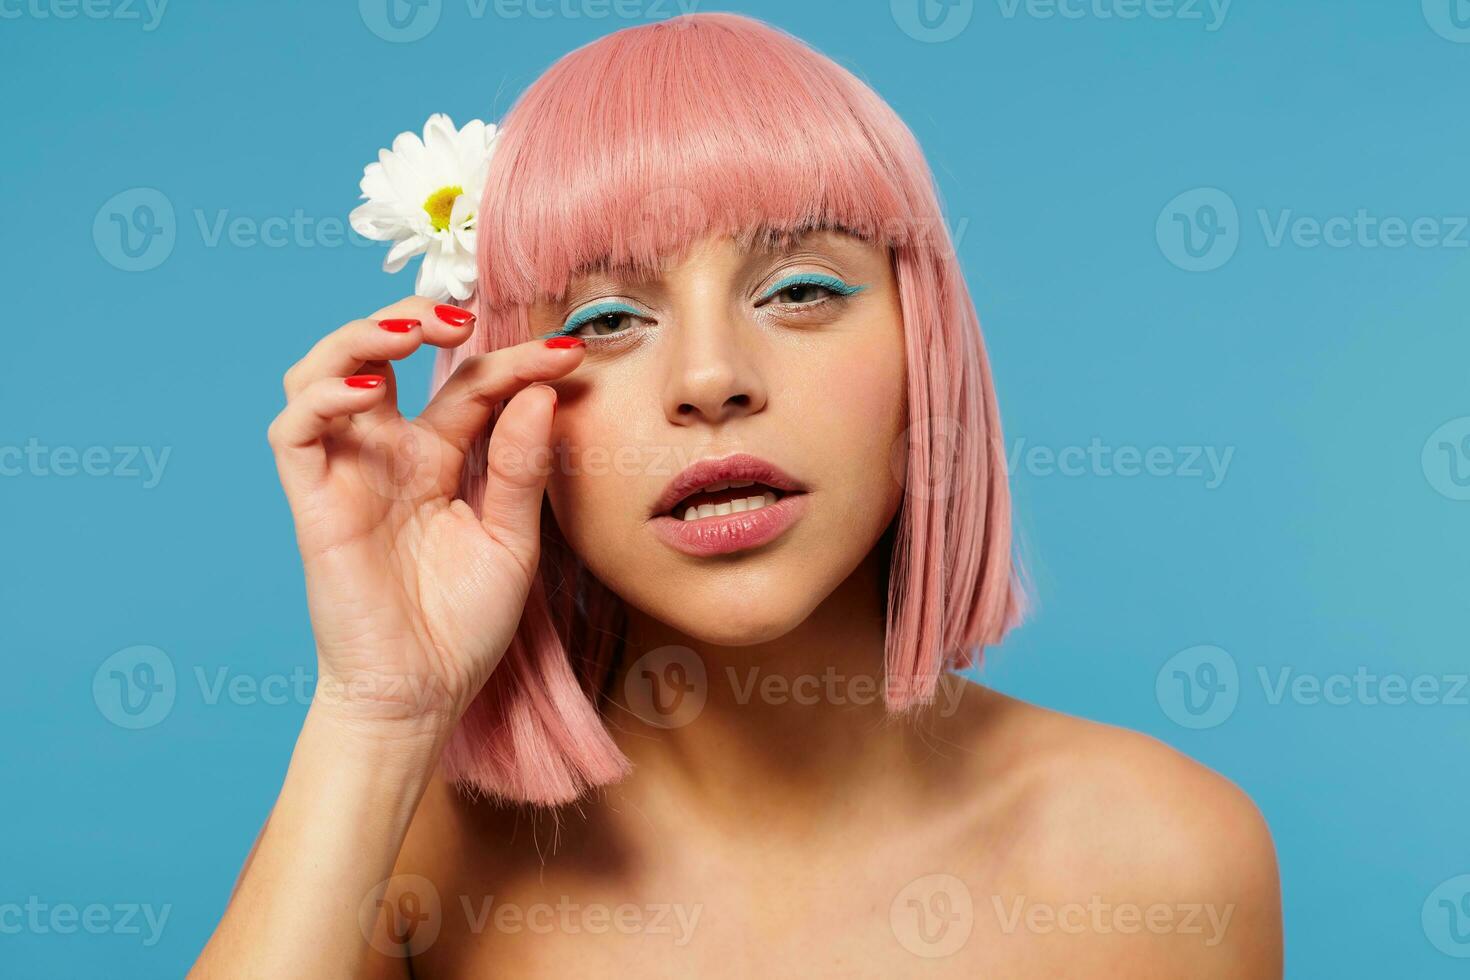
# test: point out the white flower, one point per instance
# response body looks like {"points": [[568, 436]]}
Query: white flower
{"points": [[422, 196]]}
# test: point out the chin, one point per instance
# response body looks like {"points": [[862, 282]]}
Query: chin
{"points": [[730, 611]]}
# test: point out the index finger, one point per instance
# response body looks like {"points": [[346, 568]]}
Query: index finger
{"points": [[461, 409]]}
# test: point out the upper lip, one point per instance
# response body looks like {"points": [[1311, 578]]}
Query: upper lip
{"points": [[738, 466]]}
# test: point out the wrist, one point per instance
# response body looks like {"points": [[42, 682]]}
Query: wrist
{"points": [[409, 742]]}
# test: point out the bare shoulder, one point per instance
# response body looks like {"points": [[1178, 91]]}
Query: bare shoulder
{"points": [[1103, 816]]}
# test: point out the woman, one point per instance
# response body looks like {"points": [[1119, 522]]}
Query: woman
{"points": [[657, 680]]}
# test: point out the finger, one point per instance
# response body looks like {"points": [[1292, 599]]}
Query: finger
{"points": [[321, 406], [462, 407], [390, 334], [516, 469], [386, 407]]}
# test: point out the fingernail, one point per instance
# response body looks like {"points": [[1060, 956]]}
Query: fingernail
{"points": [[398, 326], [566, 341], [364, 380], [453, 315]]}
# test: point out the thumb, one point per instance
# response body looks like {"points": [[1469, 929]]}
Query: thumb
{"points": [[518, 463]]}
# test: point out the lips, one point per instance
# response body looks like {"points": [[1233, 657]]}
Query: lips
{"points": [[723, 479], [719, 506]]}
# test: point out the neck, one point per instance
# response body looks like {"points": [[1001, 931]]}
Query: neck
{"points": [[715, 729]]}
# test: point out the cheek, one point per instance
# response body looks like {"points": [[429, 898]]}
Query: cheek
{"points": [[595, 484], [854, 412]]}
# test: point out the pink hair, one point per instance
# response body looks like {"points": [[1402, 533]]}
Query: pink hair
{"points": [[625, 152]]}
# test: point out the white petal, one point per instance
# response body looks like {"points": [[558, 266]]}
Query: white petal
{"points": [[375, 185], [405, 186], [401, 252], [465, 240], [429, 282], [473, 148], [460, 289], [380, 222], [464, 209]]}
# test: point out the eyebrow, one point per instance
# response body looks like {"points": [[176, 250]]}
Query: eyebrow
{"points": [[763, 239]]}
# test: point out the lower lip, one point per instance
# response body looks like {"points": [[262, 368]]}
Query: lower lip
{"points": [[709, 536]]}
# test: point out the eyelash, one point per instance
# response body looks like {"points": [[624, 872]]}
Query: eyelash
{"points": [[592, 314], [830, 283], [603, 311]]}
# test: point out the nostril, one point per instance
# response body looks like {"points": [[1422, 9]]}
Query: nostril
{"points": [[741, 401]]}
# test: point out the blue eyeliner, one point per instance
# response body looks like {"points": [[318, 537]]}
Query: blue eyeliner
{"points": [[593, 312], [812, 279]]}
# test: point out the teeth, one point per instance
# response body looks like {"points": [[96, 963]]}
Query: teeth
{"points": [[725, 485], [737, 506]]}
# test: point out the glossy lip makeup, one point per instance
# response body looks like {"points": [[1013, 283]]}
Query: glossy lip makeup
{"points": [[722, 506]]}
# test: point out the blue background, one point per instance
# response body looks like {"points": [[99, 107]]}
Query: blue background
{"points": [[1334, 542]]}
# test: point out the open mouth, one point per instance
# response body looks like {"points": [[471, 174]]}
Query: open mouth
{"points": [[723, 498], [722, 506]]}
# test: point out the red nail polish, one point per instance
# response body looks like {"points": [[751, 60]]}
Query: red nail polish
{"points": [[364, 380], [398, 326], [565, 341], [453, 315]]}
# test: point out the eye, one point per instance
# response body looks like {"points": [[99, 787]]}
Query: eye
{"points": [[600, 320], [807, 288]]}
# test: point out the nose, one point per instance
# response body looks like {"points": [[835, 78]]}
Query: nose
{"points": [[714, 374]]}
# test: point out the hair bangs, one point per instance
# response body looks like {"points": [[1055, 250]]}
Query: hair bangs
{"points": [[668, 148]]}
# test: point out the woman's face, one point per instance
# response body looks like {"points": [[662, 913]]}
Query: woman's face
{"points": [[787, 364]]}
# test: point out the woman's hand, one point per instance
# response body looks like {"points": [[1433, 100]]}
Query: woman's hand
{"points": [[413, 599]]}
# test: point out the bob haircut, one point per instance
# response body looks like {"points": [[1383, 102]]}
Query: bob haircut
{"points": [[624, 153]]}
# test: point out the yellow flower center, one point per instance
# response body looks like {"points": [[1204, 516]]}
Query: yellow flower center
{"points": [[440, 204]]}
